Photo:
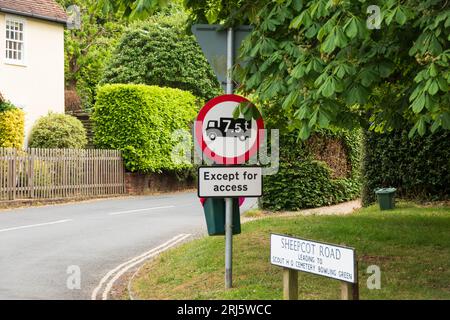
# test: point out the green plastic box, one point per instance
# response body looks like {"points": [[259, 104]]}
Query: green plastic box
{"points": [[386, 198], [214, 209]]}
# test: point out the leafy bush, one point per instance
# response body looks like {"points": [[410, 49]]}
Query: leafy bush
{"points": [[58, 131], [140, 120], [305, 182], [419, 168], [6, 106], [159, 52], [12, 126]]}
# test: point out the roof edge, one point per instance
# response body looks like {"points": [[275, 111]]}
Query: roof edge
{"points": [[33, 15]]}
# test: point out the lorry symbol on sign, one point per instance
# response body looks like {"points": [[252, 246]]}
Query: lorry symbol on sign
{"points": [[229, 127]]}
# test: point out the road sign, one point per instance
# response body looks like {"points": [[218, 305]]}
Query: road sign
{"points": [[213, 41], [220, 182], [319, 258], [224, 139], [217, 116]]}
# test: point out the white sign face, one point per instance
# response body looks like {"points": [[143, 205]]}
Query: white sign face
{"points": [[226, 136], [227, 182], [223, 138], [313, 257]]}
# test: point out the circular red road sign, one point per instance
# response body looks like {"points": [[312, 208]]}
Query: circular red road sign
{"points": [[224, 139]]}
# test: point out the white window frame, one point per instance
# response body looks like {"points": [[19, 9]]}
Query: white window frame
{"points": [[17, 62]]}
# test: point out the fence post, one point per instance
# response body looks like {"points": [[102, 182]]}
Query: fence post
{"points": [[12, 175], [122, 173], [30, 172]]}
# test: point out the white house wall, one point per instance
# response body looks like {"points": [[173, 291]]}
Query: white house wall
{"points": [[38, 86]]}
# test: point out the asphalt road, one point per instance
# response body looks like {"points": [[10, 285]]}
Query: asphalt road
{"points": [[42, 247]]}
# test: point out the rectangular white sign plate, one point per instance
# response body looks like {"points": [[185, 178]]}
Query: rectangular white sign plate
{"points": [[229, 182], [323, 259]]}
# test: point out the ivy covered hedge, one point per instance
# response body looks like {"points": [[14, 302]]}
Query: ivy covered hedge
{"points": [[419, 167], [140, 121], [159, 52], [303, 181], [12, 125]]}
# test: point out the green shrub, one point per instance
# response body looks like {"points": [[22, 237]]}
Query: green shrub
{"points": [[304, 182], [159, 52], [6, 106], [140, 120], [58, 131], [12, 126], [419, 168]]}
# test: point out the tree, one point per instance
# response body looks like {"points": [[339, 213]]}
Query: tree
{"points": [[322, 65], [88, 48], [231, 12], [133, 9], [158, 51]]}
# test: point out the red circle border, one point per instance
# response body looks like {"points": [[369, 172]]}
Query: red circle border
{"points": [[204, 147]]}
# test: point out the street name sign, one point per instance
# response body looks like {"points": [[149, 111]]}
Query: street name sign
{"points": [[229, 182], [223, 138], [319, 258]]}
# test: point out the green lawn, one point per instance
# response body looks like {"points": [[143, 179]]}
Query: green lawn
{"points": [[410, 244]]}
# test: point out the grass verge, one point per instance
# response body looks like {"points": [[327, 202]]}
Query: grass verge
{"points": [[410, 244]]}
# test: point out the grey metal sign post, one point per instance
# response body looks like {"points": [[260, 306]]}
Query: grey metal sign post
{"points": [[212, 41], [229, 201]]}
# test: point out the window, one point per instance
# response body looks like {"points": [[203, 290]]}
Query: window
{"points": [[15, 40]]}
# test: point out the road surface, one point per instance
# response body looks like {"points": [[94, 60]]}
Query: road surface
{"points": [[43, 249]]}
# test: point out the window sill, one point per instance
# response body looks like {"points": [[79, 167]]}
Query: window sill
{"points": [[15, 63]]}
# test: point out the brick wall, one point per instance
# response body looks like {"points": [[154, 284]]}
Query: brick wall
{"points": [[143, 184]]}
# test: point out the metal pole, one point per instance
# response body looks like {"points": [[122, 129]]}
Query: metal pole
{"points": [[229, 201], [228, 243], [230, 59]]}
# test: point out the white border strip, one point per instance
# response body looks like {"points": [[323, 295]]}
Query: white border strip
{"points": [[117, 272]]}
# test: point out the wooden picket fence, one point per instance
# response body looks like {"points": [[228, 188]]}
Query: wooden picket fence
{"points": [[60, 173]]}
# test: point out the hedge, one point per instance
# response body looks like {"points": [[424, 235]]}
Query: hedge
{"points": [[159, 52], [419, 168], [321, 171], [58, 131], [306, 185], [140, 121], [12, 127], [304, 182]]}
